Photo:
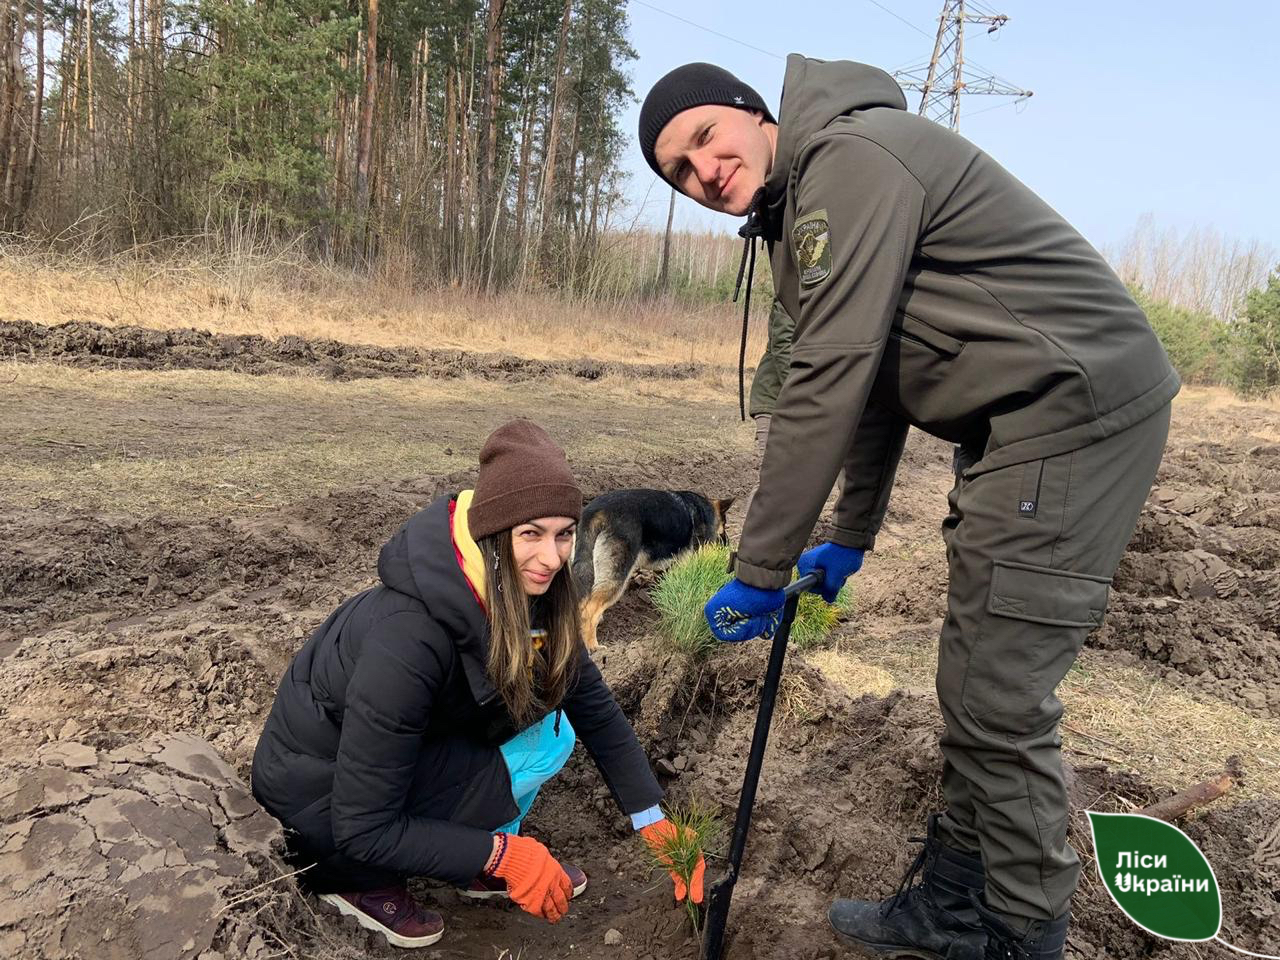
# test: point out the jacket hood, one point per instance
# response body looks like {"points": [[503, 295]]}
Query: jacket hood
{"points": [[815, 92], [419, 561]]}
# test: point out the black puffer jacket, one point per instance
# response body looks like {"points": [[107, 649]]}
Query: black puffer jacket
{"points": [[390, 697]]}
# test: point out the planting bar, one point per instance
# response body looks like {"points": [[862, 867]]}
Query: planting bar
{"points": [[721, 892]]}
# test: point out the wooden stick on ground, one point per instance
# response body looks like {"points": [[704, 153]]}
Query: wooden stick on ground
{"points": [[1091, 736], [1098, 756], [1180, 804]]}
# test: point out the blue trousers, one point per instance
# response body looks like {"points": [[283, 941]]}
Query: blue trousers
{"points": [[534, 756]]}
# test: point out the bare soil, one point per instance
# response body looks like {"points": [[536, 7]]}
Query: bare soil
{"points": [[139, 653], [1198, 593]]}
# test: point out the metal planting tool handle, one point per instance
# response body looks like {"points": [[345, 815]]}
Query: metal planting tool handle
{"points": [[721, 892]]}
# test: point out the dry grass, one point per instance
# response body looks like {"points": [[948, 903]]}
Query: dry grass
{"points": [[851, 673], [310, 301], [1170, 735], [1215, 399], [1216, 415], [1118, 715], [215, 443], [798, 701]]}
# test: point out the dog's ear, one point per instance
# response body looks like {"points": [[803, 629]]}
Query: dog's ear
{"points": [[722, 506]]}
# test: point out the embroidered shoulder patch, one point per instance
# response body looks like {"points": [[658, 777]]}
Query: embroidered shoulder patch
{"points": [[812, 239]]}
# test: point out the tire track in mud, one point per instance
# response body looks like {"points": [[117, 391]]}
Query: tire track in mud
{"points": [[93, 345]]}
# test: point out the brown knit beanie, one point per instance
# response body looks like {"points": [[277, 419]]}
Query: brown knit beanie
{"points": [[523, 475]]}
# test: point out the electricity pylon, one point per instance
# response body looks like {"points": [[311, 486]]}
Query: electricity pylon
{"points": [[947, 76]]}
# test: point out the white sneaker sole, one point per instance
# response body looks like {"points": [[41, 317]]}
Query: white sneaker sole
{"points": [[503, 895], [366, 921]]}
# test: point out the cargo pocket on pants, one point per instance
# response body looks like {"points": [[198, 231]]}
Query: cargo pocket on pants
{"points": [[1035, 622]]}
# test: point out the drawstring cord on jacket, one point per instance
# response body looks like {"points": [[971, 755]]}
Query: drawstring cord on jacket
{"points": [[754, 227]]}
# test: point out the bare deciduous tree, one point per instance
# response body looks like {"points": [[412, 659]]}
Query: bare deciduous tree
{"points": [[1200, 269]]}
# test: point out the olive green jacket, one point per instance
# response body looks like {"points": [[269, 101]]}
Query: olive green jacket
{"points": [[930, 287], [771, 371]]}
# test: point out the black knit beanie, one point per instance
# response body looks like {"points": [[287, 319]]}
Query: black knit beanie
{"points": [[693, 85]]}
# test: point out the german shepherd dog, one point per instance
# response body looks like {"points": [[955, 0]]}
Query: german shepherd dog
{"points": [[626, 531]]}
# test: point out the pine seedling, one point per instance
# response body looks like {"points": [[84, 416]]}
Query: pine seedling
{"points": [[815, 618], [686, 587], [681, 594], [697, 830]]}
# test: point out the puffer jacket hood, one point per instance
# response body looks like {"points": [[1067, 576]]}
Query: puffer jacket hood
{"points": [[815, 92], [419, 561]]}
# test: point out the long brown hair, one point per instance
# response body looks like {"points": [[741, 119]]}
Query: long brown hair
{"points": [[532, 682]]}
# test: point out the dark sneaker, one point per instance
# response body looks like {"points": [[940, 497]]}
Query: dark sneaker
{"points": [[936, 919], [1044, 940], [391, 912], [487, 888]]}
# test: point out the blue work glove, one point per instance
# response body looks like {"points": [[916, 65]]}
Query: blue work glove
{"points": [[739, 611], [835, 562]]}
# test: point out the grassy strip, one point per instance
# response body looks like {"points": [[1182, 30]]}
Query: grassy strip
{"points": [[308, 301], [215, 442]]}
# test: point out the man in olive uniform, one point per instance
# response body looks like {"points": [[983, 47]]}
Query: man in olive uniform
{"points": [[767, 382], [932, 288]]}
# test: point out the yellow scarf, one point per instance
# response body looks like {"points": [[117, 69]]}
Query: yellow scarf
{"points": [[472, 559]]}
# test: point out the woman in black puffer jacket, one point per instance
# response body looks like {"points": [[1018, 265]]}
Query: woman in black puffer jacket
{"points": [[411, 733]]}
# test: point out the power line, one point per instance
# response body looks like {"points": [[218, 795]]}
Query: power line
{"points": [[997, 106], [876, 3], [723, 36], [945, 80], [995, 83], [985, 10]]}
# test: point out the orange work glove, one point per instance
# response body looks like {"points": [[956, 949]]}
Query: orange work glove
{"points": [[659, 836], [535, 880]]}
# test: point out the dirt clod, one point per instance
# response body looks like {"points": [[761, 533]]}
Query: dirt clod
{"points": [[85, 344], [135, 853]]}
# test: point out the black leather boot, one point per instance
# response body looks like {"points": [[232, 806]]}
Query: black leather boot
{"points": [[935, 919], [1044, 940]]}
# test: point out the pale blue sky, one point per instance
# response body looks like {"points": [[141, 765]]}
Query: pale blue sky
{"points": [[1168, 109]]}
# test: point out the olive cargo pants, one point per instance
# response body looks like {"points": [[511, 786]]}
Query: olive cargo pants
{"points": [[1031, 550]]}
